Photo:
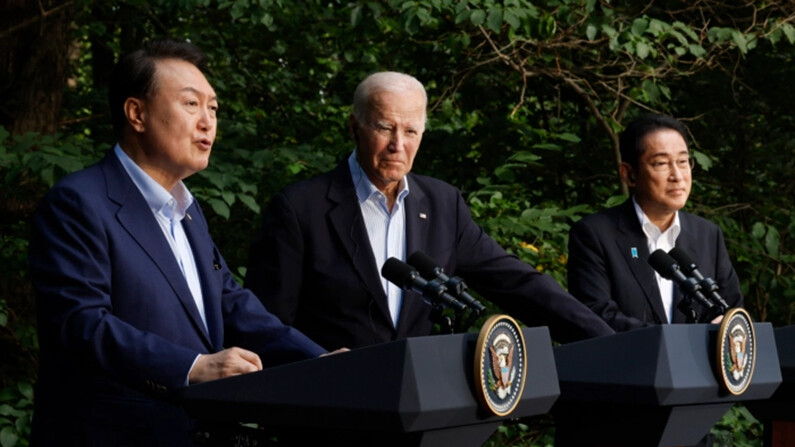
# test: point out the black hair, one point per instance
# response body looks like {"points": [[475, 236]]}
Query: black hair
{"points": [[134, 74], [629, 142]]}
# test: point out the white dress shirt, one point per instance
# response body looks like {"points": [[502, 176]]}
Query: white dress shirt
{"points": [[665, 240], [386, 230]]}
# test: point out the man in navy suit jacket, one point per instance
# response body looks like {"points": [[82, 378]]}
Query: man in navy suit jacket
{"points": [[608, 251], [134, 300], [316, 261]]}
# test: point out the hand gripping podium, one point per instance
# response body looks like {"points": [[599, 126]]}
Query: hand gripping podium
{"points": [[655, 386], [412, 392]]}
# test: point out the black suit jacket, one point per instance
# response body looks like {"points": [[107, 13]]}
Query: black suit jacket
{"points": [[621, 288], [312, 265]]}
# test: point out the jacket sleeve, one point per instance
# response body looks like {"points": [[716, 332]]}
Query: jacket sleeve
{"points": [[518, 288]]}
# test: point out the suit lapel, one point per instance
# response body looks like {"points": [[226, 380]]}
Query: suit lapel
{"points": [[347, 222], [418, 219], [137, 219], [632, 245], [684, 241], [207, 261]]}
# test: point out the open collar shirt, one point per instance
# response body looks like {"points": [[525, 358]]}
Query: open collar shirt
{"points": [[386, 230]]}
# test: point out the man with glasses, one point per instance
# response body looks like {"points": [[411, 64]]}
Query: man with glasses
{"points": [[608, 251]]}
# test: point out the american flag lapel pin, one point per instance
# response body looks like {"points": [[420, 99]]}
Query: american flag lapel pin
{"points": [[634, 252]]}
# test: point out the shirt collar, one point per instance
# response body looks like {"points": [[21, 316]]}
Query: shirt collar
{"points": [[173, 204], [365, 188], [653, 231]]}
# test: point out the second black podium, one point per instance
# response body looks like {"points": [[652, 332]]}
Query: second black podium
{"points": [[654, 386]]}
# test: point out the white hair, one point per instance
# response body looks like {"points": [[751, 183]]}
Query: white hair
{"points": [[385, 81]]}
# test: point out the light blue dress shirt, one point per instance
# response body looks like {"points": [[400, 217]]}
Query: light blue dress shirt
{"points": [[386, 230], [169, 208]]}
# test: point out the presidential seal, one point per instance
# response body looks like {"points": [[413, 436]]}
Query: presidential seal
{"points": [[500, 365], [736, 351]]}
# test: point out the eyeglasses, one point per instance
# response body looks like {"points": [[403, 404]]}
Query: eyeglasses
{"points": [[682, 164]]}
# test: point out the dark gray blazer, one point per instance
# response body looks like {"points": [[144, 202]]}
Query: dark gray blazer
{"points": [[621, 288]]}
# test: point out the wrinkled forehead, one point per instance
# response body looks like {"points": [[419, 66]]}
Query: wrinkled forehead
{"points": [[407, 107]]}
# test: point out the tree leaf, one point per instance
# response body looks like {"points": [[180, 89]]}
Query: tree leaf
{"points": [[511, 19], [772, 241], [494, 21], [789, 31], [739, 39], [697, 50], [758, 230], [8, 437], [590, 31], [642, 50], [219, 207], [250, 202], [477, 17], [639, 26]]}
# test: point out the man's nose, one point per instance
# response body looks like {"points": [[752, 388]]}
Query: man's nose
{"points": [[206, 120], [397, 140]]}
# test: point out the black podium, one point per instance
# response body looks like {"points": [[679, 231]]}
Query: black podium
{"points": [[778, 412], [654, 386], [417, 391]]}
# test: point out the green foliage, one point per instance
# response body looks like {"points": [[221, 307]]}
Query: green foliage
{"points": [[525, 101], [738, 428], [16, 409], [535, 432]]}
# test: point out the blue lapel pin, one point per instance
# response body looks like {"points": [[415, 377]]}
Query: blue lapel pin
{"points": [[634, 251]]}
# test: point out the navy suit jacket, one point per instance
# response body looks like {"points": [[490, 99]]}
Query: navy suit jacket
{"points": [[312, 265], [622, 288], [118, 326]]}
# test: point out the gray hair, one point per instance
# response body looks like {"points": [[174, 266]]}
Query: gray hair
{"points": [[385, 81]]}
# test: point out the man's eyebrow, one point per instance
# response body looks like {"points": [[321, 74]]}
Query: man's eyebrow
{"points": [[665, 154], [196, 91]]}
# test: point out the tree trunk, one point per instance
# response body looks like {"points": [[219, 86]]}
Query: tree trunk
{"points": [[34, 63]]}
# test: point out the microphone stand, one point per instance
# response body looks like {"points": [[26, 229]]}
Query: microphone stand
{"points": [[444, 321], [686, 307]]}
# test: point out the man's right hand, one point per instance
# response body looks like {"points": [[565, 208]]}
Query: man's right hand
{"points": [[229, 362]]}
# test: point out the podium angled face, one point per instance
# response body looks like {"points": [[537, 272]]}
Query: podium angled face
{"points": [[655, 386], [778, 412], [417, 391]]}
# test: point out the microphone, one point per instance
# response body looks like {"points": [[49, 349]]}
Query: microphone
{"points": [[434, 292], [667, 267], [707, 284], [428, 268]]}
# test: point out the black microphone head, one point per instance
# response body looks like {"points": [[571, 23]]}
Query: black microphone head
{"points": [[662, 263], [397, 271], [424, 264], [683, 259]]}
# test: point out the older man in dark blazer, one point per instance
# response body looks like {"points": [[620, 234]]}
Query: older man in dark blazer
{"points": [[608, 251], [316, 260], [134, 300]]}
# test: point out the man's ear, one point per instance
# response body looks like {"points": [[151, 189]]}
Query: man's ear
{"points": [[353, 128], [134, 109], [627, 174]]}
